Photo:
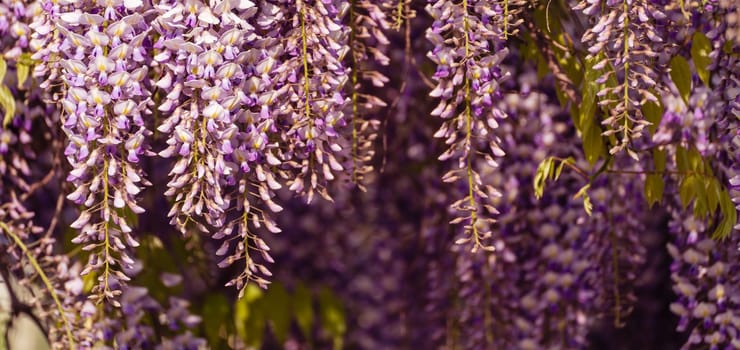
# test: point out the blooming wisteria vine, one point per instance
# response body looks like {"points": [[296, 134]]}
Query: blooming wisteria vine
{"points": [[468, 49], [508, 174], [102, 68]]}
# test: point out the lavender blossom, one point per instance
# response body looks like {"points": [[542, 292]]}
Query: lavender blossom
{"points": [[314, 74], [103, 67], [627, 36], [468, 77]]}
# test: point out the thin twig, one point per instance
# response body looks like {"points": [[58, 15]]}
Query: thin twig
{"points": [[55, 218], [37, 185], [56, 162], [582, 173], [655, 172]]}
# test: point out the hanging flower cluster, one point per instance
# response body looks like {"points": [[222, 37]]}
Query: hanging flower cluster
{"points": [[368, 45], [468, 49], [314, 75], [103, 66], [630, 38], [705, 284], [218, 139], [149, 151]]}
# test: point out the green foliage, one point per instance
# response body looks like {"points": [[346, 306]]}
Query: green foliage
{"points": [[7, 102], [583, 192], [653, 112], [699, 186], [590, 88], [593, 143], [548, 170], [701, 47], [654, 183], [158, 258], [681, 76], [249, 316], [332, 316], [23, 68], [216, 310], [277, 300], [659, 159], [689, 189], [303, 309], [729, 216], [654, 186], [279, 308]]}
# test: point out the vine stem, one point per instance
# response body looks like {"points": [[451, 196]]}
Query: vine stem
{"points": [[45, 280], [304, 39], [575, 168], [106, 226], [306, 86], [469, 130], [506, 19], [655, 172], [399, 14], [582, 173], [627, 102], [352, 39]]}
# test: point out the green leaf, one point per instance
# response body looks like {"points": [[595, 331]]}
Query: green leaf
{"points": [[241, 314], [277, 301], [682, 159], [659, 159], [583, 192], [332, 316], [3, 69], [7, 102], [714, 192], [686, 190], [216, 311], [575, 115], [681, 76], [593, 143], [653, 112], [559, 168], [23, 72], [654, 186], [249, 321], [303, 309], [701, 47], [587, 206], [729, 217], [696, 161], [541, 175], [590, 89], [701, 205]]}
